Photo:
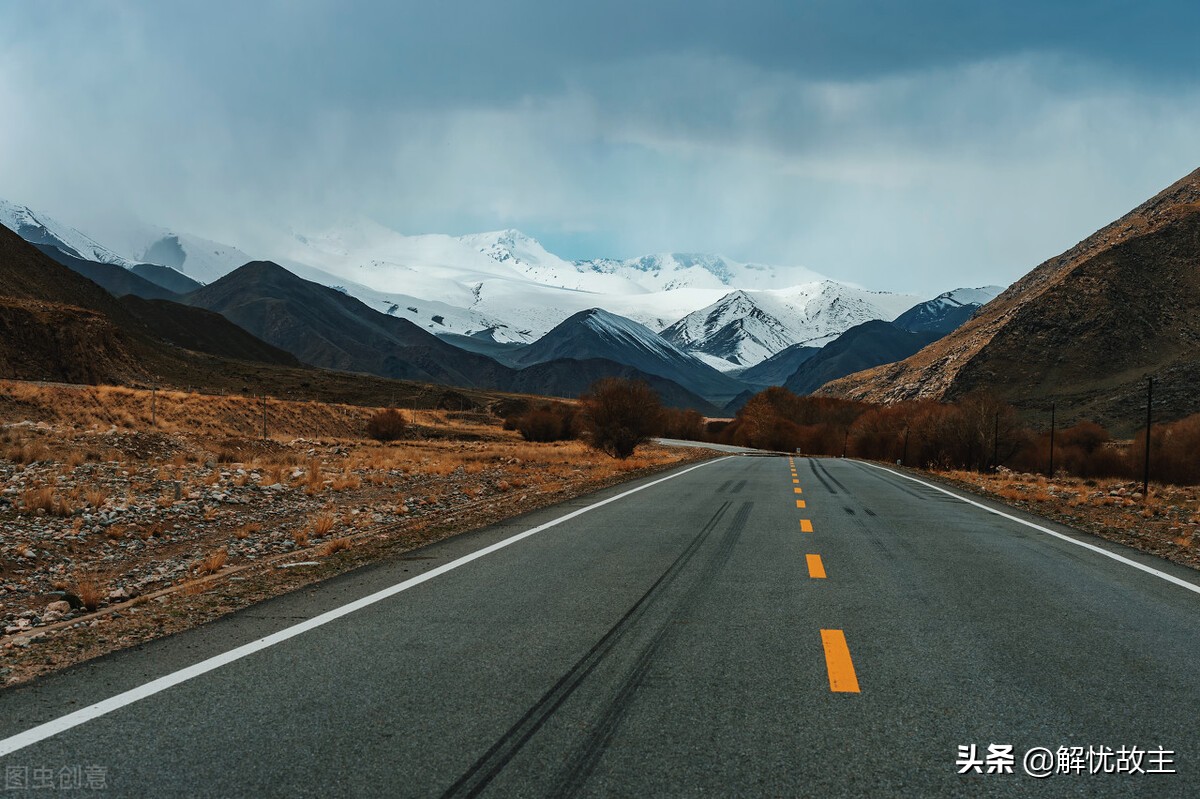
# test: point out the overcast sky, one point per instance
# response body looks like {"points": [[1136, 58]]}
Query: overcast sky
{"points": [[913, 145]]}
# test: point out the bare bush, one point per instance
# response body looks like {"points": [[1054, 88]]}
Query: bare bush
{"points": [[619, 415], [548, 422], [387, 425]]}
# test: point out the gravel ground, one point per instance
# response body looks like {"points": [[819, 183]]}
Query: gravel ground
{"points": [[108, 539]]}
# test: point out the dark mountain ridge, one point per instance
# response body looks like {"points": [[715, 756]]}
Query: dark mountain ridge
{"points": [[861, 347], [596, 333]]}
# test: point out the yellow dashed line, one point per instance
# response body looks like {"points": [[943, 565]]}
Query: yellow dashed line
{"points": [[795, 480], [798, 490], [805, 526], [816, 569], [800, 503], [842, 678]]}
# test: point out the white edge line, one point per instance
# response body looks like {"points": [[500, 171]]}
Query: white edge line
{"points": [[86, 714], [1170, 578]]}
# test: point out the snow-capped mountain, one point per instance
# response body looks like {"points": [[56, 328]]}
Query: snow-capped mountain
{"points": [[744, 328], [38, 228], [506, 287], [596, 333], [646, 274], [203, 260], [507, 282], [668, 271], [946, 312]]}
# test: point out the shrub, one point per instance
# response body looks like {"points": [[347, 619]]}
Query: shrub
{"points": [[548, 422], [686, 425], [387, 425], [621, 414]]}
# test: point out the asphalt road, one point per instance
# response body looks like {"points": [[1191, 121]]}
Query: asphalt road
{"points": [[676, 641]]}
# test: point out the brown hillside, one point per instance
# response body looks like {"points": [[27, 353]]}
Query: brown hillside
{"points": [[63, 343], [1083, 329], [57, 325]]}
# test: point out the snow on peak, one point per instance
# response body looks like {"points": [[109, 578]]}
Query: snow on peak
{"points": [[508, 282], [968, 296], [513, 246], [671, 271], [621, 329], [744, 328], [39, 228]]}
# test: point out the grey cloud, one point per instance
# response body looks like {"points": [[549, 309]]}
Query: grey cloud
{"points": [[911, 175]]}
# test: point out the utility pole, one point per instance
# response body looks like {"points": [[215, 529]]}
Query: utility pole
{"points": [[846, 442], [1149, 420], [1052, 441], [904, 457], [996, 442]]}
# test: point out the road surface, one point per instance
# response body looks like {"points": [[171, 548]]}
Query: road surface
{"points": [[752, 626]]}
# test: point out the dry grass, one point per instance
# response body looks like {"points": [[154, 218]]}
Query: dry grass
{"points": [[301, 538], [335, 545], [25, 454], [323, 524], [47, 500], [96, 497], [218, 416], [214, 562], [35, 499], [89, 591], [346, 482]]}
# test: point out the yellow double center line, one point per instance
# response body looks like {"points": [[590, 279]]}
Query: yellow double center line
{"points": [[838, 663]]}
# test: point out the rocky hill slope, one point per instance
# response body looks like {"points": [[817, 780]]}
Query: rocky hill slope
{"points": [[1083, 329]]}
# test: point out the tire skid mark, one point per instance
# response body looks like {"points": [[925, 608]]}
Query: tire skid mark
{"points": [[585, 758], [480, 774], [812, 464], [895, 485], [829, 474], [875, 539]]}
